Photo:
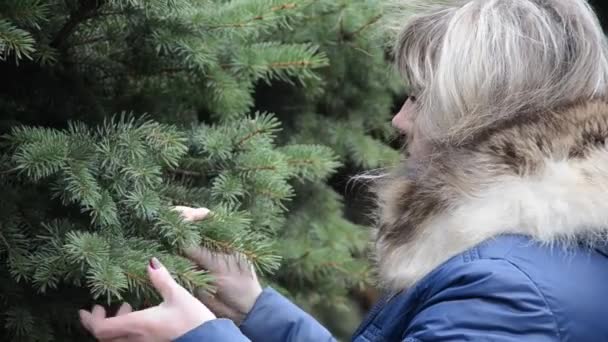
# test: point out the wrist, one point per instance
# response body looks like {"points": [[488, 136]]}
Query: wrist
{"points": [[194, 314], [246, 304], [253, 298]]}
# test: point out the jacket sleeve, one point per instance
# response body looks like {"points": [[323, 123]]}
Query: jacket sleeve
{"points": [[215, 330], [483, 300], [273, 318]]}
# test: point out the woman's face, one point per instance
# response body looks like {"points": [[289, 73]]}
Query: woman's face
{"points": [[403, 121]]}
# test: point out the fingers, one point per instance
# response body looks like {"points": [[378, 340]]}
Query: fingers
{"points": [[203, 257], [122, 326], [86, 319], [124, 309], [162, 280], [219, 308], [217, 263], [192, 214], [93, 320], [98, 312], [127, 323]]}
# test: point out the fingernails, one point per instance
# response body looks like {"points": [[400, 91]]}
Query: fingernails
{"points": [[155, 264]]}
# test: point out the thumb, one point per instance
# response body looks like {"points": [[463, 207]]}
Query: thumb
{"points": [[162, 280], [202, 257], [192, 214]]}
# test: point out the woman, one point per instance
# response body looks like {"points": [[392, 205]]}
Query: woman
{"points": [[496, 227]]}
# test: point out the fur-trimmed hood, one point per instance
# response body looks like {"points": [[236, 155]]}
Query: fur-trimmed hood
{"points": [[545, 176]]}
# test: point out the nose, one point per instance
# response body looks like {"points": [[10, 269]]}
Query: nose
{"points": [[394, 121], [401, 121]]}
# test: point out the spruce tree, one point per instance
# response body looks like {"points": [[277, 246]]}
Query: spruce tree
{"points": [[113, 111], [89, 179]]}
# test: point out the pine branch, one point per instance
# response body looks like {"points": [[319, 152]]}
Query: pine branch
{"points": [[301, 162], [256, 18], [261, 124], [228, 96], [258, 168], [261, 259], [250, 136], [324, 14], [91, 40], [111, 186], [175, 70], [272, 60], [15, 40], [186, 172], [5, 242], [290, 64], [87, 9], [370, 22], [28, 13]]}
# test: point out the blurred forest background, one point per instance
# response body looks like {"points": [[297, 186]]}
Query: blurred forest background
{"points": [[112, 111]]}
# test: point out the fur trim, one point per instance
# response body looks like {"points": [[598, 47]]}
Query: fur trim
{"points": [[545, 176]]}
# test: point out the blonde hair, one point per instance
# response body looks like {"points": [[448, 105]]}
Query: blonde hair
{"points": [[472, 64]]}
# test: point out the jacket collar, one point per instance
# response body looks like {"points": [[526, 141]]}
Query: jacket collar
{"points": [[545, 176]]}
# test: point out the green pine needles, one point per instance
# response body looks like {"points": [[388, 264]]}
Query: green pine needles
{"points": [[117, 184], [125, 176], [112, 112]]}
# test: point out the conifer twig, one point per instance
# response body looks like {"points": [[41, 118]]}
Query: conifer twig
{"points": [[187, 173], [244, 23], [370, 22], [90, 40], [175, 70], [85, 11], [350, 35], [274, 168], [301, 162], [288, 64], [5, 241], [227, 247], [258, 168], [249, 136]]}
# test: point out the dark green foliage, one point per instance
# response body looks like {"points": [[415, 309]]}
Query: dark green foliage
{"points": [[103, 199], [349, 109], [113, 111]]}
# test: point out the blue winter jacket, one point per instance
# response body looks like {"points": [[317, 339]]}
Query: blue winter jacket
{"points": [[506, 289]]}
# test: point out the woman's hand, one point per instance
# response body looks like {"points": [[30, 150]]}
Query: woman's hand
{"points": [[237, 284], [179, 313]]}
